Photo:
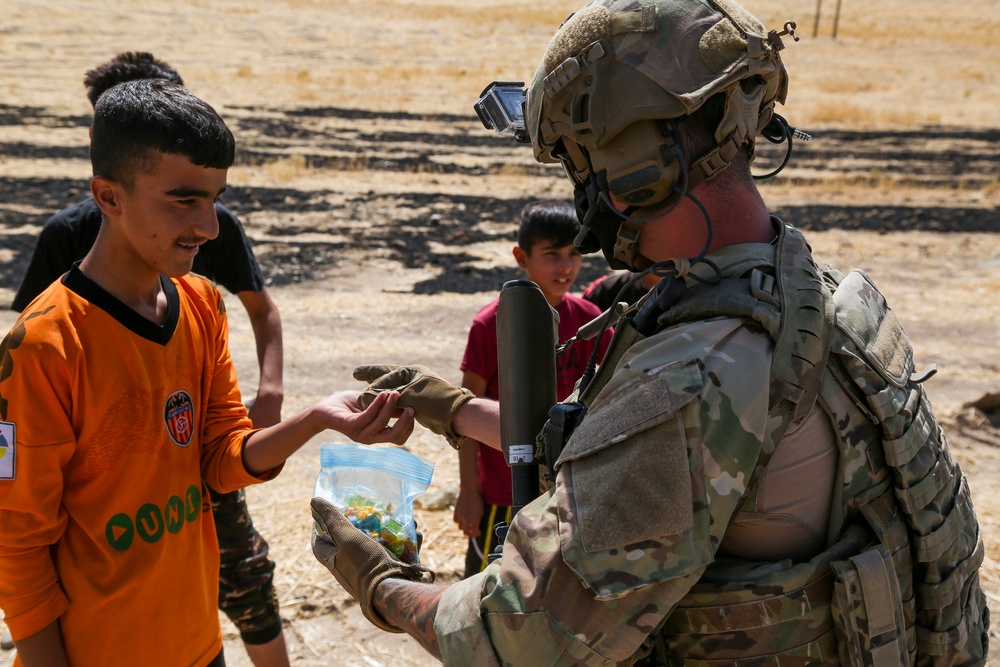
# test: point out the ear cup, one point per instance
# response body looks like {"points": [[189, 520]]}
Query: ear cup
{"points": [[642, 164]]}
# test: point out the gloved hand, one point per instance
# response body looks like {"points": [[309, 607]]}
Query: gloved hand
{"points": [[357, 561], [434, 400]]}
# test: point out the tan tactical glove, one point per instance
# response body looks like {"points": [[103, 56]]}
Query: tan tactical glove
{"points": [[434, 400], [357, 561]]}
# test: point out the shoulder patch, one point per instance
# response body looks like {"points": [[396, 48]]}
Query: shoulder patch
{"points": [[641, 403], [624, 490], [7, 451], [865, 317]]}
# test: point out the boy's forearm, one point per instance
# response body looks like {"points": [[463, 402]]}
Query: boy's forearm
{"points": [[267, 449], [45, 647], [468, 471], [411, 606], [265, 321], [270, 353], [479, 419]]}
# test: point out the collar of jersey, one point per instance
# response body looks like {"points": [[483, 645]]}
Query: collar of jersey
{"points": [[87, 289]]}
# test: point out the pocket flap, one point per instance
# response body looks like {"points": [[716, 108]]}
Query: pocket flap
{"points": [[639, 404]]}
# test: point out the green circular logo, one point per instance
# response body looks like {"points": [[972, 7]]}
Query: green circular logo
{"points": [[193, 503], [119, 532], [174, 513], [149, 523]]}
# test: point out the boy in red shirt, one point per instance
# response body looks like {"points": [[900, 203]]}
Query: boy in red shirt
{"points": [[545, 252], [119, 408]]}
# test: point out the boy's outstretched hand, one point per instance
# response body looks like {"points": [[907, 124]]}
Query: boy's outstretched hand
{"points": [[434, 399], [367, 422]]}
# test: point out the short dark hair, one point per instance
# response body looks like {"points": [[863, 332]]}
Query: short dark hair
{"points": [[127, 66], [137, 120], [547, 220]]}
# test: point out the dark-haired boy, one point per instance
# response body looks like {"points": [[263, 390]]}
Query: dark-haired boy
{"points": [[120, 408], [545, 252], [228, 259], [246, 574]]}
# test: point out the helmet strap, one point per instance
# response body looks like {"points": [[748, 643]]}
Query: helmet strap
{"points": [[600, 220], [741, 121], [714, 161]]}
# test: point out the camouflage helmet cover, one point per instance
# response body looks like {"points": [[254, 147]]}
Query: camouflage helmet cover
{"points": [[616, 62]]}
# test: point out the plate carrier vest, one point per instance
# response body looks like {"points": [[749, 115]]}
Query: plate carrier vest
{"points": [[901, 584]]}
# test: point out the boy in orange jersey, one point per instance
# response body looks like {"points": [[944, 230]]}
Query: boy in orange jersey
{"points": [[119, 408], [246, 575]]}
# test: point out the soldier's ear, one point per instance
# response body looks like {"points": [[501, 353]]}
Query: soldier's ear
{"points": [[107, 195]]}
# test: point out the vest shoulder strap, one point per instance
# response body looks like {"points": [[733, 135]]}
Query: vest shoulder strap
{"points": [[794, 305]]}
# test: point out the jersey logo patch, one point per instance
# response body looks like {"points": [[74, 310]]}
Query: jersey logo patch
{"points": [[7, 450], [178, 414]]}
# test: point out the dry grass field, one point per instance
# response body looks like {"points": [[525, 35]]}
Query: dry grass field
{"points": [[381, 210]]}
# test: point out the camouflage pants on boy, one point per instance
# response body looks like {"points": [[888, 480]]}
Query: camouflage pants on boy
{"points": [[246, 589]]}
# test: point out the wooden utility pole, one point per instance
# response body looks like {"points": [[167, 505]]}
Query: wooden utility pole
{"points": [[836, 19]]}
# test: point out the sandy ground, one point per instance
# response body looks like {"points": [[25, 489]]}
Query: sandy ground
{"points": [[330, 328], [381, 211]]}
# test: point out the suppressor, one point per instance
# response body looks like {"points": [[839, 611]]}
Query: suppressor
{"points": [[527, 337]]}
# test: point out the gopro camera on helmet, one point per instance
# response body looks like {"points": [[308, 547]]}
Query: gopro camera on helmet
{"points": [[501, 108]]}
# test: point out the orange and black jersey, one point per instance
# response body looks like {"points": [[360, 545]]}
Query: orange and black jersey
{"points": [[118, 425]]}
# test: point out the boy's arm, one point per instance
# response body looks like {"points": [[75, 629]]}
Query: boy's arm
{"points": [[469, 504], [45, 647], [40, 443], [266, 323], [264, 450], [268, 448]]}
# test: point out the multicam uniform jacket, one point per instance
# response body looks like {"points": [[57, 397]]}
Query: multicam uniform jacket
{"points": [[619, 548], [645, 492]]}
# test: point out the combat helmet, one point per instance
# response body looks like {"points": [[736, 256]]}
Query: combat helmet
{"points": [[613, 79]]}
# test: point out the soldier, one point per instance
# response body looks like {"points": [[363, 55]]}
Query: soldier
{"points": [[757, 475]]}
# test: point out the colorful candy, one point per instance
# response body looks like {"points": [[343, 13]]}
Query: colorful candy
{"points": [[375, 518]]}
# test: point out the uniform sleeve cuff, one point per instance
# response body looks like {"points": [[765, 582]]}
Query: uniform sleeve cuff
{"points": [[462, 637], [269, 474]]}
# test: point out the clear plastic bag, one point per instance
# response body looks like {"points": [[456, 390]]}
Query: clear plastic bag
{"points": [[374, 487]]}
